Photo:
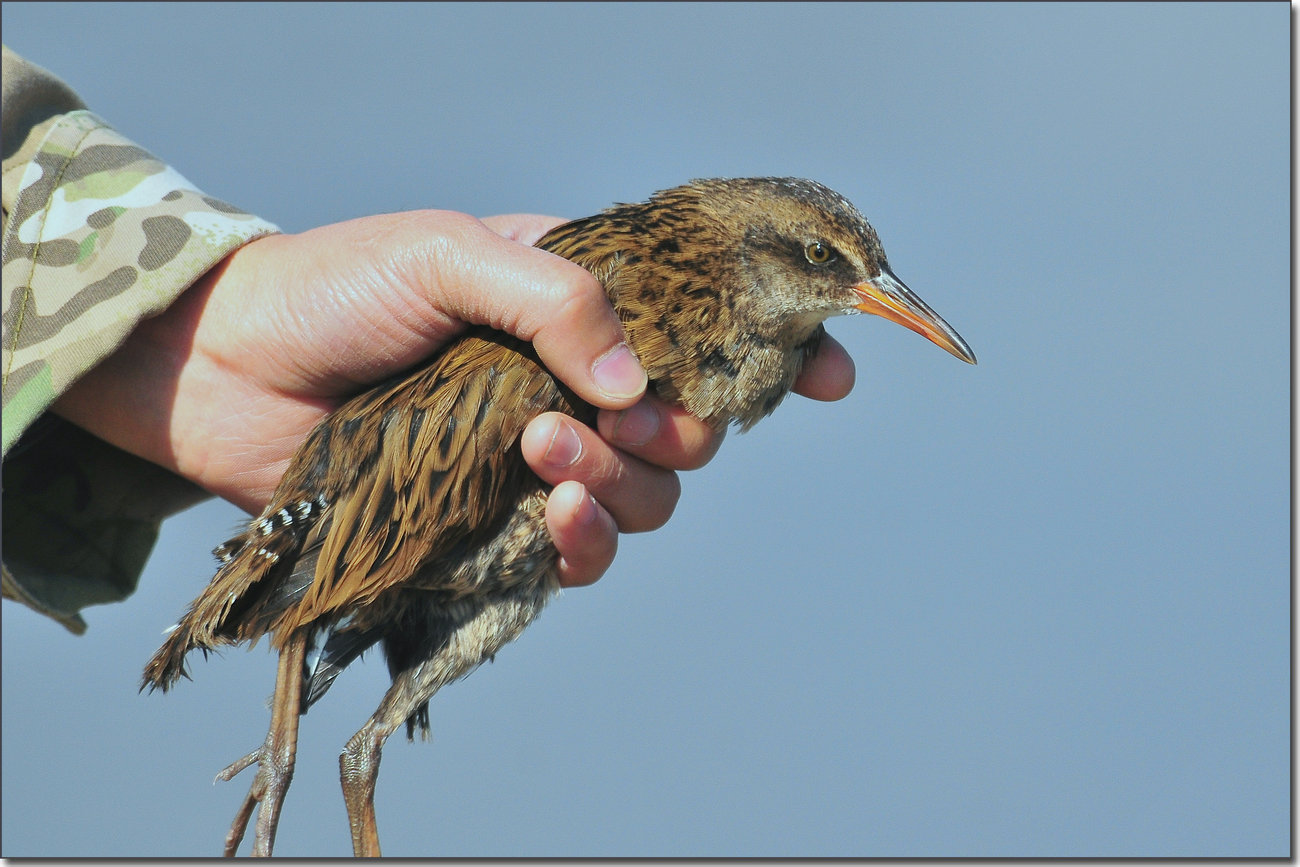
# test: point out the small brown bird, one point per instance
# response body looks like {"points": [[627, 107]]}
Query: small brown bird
{"points": [[409, 517]]}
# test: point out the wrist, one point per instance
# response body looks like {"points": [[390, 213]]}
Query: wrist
{"points": [[133, 398]]}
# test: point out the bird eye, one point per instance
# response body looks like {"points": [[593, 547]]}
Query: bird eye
{"points": [[818, 253]]}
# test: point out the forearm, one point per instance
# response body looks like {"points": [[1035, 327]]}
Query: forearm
{"points": [[87, 258]]}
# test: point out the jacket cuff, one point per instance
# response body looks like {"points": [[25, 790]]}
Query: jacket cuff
{"points": [[98, 234], [101, 235]]}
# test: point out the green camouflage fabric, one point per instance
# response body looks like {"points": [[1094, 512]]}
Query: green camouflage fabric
{"points": [[98, 234]]}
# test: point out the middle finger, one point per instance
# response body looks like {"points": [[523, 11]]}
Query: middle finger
{"points": [[640, 496]]}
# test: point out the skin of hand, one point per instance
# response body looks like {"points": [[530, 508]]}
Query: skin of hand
{"points": [[224, 385]]}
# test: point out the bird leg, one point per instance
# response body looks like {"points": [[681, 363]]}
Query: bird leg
{"points": [[452, 648], [274, 758], [359, 761], [358, 772]]}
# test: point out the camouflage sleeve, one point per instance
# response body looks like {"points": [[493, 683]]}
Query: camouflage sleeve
{"points": [[98, 234]]}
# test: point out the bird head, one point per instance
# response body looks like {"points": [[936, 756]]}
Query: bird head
{"points": [[723, 286]]}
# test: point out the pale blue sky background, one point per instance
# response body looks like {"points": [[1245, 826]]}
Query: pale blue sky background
{"points": [[1035, 607]]}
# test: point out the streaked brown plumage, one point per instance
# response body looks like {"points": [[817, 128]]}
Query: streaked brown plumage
{"points": [[409, 516]]}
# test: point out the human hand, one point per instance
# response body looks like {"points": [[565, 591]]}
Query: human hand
{"points": [[224, 386]]}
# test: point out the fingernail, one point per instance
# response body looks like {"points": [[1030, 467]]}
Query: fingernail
{"points": [[618, 374], [584, 512], [565, 447], [636, 425]]}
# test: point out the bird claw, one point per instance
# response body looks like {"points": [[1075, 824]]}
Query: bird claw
{"points": [[233, 770], [274, 772]]}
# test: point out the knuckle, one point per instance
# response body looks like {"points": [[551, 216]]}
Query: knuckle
{"points": [[604, 469], [576, 294], [693, 444], [657, 510]]}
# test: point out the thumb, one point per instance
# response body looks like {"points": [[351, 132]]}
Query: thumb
{"points": [[473, 270]]}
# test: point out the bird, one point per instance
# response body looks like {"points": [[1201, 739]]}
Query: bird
{"points": [[408, 517]]}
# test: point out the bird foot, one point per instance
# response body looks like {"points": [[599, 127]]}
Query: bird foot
{"points": [[232, 770], [274, 773], [274, 758]]}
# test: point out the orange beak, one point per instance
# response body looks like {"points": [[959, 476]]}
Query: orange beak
{"points": [[887, 296]]}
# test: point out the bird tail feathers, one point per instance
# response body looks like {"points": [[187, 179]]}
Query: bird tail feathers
{"points": [[245, 562]]}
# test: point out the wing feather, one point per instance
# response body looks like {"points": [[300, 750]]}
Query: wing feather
{"points": [[449, 435]]}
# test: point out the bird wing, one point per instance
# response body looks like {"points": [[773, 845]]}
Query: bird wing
{"points": [[451, 467], [261, 571]]}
